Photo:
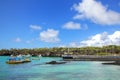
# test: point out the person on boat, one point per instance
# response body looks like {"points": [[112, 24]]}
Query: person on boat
{"points": [[39, 55], [19, 57], [12, 58]]}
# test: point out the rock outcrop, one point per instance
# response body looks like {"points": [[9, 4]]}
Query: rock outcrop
{"points": [[55, 62]]}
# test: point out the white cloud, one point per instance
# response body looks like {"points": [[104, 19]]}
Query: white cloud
{"points": [[102, 39], [71, 25], [35, 27], [18, 40], [96, 12], [50, 35]]}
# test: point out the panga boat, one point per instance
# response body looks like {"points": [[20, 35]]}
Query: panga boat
{"points": [[26, 60], [67, 56], [18, 60], [14, 62]]}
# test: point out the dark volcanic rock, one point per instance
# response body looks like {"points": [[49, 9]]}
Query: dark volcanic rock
{"points": [[113, 63], [55, 62]]}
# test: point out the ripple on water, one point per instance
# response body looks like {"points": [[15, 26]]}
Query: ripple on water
{"points": [[74, 70]]}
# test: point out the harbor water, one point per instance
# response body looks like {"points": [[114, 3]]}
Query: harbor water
{"points": [[72, 70]]}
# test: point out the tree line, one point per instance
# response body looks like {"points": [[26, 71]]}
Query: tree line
{"points": [[59, 51]]}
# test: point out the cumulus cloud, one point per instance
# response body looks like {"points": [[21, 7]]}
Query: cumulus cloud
{"points": [[98, 40], [18, 40], [102, 39], [50, 35], [35, 27], [96, 12], [71, 25]]}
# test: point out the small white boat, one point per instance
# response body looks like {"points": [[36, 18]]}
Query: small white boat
{"points": [[36, 57]]}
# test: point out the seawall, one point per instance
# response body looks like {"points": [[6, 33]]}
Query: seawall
{"points": [[93, 58]]}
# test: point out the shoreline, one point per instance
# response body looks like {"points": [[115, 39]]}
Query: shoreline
{"points": [[92, 58], [88, 58], [112, 63], [115, 59]]}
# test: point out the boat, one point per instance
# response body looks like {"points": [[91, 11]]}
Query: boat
{"points": [[18, 59], [14, 62], [67, 55], [26, 60], [18, 62], [36, 57]]}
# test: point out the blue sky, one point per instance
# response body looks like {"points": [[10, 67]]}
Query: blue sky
{"points": [[59, 23]]}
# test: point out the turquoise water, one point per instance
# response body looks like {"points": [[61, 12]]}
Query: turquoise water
{"points": [[74, 70]]}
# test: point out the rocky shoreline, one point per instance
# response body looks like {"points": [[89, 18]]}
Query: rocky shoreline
{"points": [[112, 60], [112, 63], [55, 62], [92, 58]]}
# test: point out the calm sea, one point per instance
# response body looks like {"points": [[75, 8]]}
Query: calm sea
{"points": [[74, 70]]}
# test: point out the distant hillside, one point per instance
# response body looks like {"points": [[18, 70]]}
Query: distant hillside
{"points": [[55, 51]]}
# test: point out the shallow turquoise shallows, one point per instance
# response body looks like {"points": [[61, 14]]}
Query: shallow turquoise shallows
{"points": [[74, 70]]}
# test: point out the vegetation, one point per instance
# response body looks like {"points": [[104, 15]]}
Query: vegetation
{"points": [[105, 50]]}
